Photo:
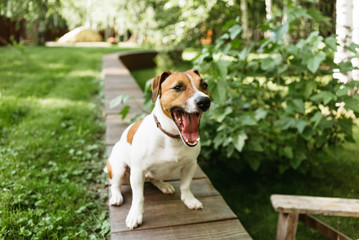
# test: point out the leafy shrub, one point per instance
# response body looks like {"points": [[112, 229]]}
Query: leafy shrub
{"points": [[277, 103]]}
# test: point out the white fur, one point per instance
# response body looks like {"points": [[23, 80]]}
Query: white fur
{"points": [[191, 106], [156, 156]]}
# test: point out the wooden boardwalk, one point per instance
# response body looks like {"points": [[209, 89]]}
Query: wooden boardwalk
{"points": [[165, 217]]}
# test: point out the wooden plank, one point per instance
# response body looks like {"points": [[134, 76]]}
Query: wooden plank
{"points": [[230, 229], [322, 228], [316, 205], [287, 226], [114, 129], [197, 175], [200, 188], [172, 212]]}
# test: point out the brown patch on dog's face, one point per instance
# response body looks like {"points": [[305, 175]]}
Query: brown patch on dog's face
{"points": [[156, 84], [109, 170], [131, 133]]}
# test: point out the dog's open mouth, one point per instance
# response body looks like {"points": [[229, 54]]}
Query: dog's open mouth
{"points": [[188, 125]]}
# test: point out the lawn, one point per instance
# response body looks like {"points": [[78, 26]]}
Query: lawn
{"points": [[334, 174], [51, 147]]}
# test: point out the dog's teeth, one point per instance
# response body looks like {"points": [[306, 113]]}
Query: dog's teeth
{"points": [[186, 140], [197, 139]]}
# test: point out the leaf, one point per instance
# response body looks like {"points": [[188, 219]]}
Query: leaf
{"points": [[229, 24], [285, 122], [318, 16], [119, 100], [220, 89], [301, 124], [261, 113], [221, 113], [245, 52], [296, 106], [255, 145], [343, 91], [234, 31], [314, 62], [352, 47], [239, 141], [288, 152], [247, 120], [352, 103], [125, 110], [267, 64], [316, 119], [254, 163], [324, 96], [298, 159], [308, 89], [331, 42], [219, 139], [280, 31]]}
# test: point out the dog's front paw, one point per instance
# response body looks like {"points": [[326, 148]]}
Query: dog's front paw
{"points": [[192, 203], [116, 198], [134, 219], [164, 187]]}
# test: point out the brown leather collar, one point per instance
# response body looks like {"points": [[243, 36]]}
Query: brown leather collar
{"points": [[163, 130]]}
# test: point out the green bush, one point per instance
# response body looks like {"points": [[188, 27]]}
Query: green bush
{"points": [[275, 103]]}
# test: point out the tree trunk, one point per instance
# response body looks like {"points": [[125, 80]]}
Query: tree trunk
{"points": [[344, 29], [269, 16], [269, 13], [355, 36], [42, 24], [88, 14], [244, 20]]}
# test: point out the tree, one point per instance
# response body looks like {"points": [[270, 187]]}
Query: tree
{"points": [[269, 15], [344, 29], [355, 37], [244, 19]]}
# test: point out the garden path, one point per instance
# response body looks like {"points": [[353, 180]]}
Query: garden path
{"points": [[166, 217]]}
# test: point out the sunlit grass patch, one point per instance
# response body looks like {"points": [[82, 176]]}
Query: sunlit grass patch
{"points": [[51, 152]]}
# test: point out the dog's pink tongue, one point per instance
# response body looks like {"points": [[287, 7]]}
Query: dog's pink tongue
{"points": [[190, 131]]}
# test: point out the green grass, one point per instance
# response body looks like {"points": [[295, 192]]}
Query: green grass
{"points": [[334, 174], [51, 152]]}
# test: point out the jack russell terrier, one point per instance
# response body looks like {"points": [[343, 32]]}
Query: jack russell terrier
{"points": [[163, 142]]}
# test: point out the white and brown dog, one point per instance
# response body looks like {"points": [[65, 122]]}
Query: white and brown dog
{"points": [[163, 142]]}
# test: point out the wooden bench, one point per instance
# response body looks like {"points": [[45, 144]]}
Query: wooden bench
{"points": [[166, 217], [294, 208]]}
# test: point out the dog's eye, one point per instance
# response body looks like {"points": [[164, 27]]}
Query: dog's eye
{"points": [[204, 85], [179, 87]]}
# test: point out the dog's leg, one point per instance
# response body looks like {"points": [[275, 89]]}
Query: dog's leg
{"points": [[135, 216], [116, 182], [164, 187], [187, 197]]}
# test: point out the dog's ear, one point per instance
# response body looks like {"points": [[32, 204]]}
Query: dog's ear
{"points": [[196, 71], [156, 84]]}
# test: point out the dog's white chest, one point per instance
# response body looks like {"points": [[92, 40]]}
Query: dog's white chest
{"points": [[167, 160]]}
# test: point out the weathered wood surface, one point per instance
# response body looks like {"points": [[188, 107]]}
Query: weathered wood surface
{"points": [[287, 226], [291, 208], [165, 217], [230, 229], [316, 205]]}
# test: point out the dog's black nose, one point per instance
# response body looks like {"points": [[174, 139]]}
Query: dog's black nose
{"points": [[203, 103]]}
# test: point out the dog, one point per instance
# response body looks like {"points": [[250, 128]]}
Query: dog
{"points": [[165, 141]]}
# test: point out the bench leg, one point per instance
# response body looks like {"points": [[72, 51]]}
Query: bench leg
{"points": [[287, 226]]}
